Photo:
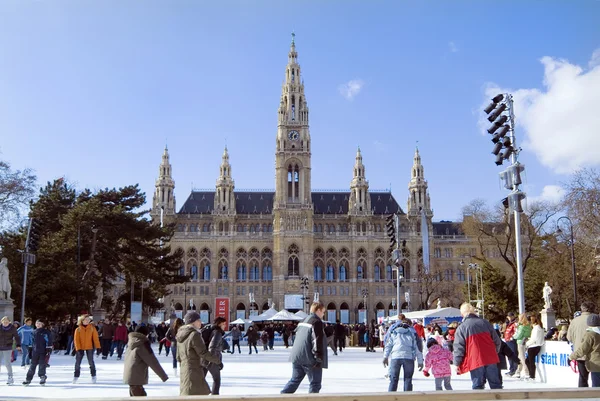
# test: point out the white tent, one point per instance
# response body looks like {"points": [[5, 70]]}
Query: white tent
{"points": [[266, 315], [301, 314], [284, 315], [422, 314], [241, 321]]}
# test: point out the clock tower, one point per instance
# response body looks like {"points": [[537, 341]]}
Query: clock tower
{"points": [[292, 208]]}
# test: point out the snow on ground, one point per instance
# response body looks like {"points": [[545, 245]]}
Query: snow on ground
{"points": [[352, 371]]}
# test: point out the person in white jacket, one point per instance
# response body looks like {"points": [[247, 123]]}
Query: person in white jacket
{"points": [[534, 345]]}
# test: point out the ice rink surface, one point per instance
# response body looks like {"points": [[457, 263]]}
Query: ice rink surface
{"points": [[352, 371]]}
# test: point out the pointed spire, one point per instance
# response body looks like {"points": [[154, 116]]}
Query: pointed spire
{"points": [[358, 156], [417, 157], [225, 154], [293, 39]]}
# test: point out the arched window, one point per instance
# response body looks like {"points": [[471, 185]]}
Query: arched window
{"points": [[254, 272], [240, 228], [342, 273], [293, 266], [194, 273], [241, 272], [182, 271], [223, 273], [318, 273], [267, 273], [388, 273], [206, 272], [330, 274], [377, 273], [359, 272]]}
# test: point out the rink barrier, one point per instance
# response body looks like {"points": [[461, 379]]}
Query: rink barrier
{"points": [[472, 395]]}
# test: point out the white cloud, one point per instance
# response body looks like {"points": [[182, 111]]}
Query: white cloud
{"points": [[452, 47], [351, 88], [552, 194], [560, 124]]}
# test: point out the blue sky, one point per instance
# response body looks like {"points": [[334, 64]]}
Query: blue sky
{"points": [[92, 90]]}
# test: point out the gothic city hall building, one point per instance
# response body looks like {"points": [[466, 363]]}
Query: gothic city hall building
{"points": [[288, 247]]}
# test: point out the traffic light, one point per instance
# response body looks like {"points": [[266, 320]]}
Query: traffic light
{"points": [[33, 236], [512, 176], [500, 127], [514, 201], [391, 230]]}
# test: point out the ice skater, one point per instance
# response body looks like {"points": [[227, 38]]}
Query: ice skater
{"points": [[42, 344], [8, 335], [86, 340]]}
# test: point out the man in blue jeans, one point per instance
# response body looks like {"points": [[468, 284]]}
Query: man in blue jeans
{"points": [[401, 346], [309, 352], [476, 347]]}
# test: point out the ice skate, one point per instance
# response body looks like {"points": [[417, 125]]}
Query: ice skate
{"points": [[10, 381], [43, 381], [75, 380], [93, 379]]}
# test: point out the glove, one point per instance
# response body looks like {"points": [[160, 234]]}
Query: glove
{"points": [[426, 373], [420, 366], [221, 366], [386, 362]]}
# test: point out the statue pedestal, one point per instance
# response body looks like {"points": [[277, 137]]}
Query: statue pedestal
{"points": [[7, 308], [98, 314], [548, 318]]}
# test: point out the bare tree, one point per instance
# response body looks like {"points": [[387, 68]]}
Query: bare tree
{"points": [[17, 188], [493, 230]]}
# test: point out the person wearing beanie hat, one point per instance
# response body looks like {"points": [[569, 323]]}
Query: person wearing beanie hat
{"points": [[590, 349], [41, 343], [191, 317], [138, 358], [191, 352]]}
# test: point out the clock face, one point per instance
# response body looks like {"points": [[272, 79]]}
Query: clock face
{"points": [[293, 135]]}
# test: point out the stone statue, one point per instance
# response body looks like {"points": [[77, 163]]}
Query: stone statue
{"points": [[172, 307], [546, 293], [5, 287], [439, 303]]}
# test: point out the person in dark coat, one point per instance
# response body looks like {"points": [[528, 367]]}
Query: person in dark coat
{"points": [[41, 346], [329, 331], [339, 332], [271, 332], [161, 330], [107, 335], [215, 347], [505, 352], [8, 335], [236, 334], [137, 360], [309, 352], [252, 336]]}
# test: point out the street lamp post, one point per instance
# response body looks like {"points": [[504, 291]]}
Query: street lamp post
{"points": [[365, 294], [573, 270]]}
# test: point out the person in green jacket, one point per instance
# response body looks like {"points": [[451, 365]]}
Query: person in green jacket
{"points": [[191, 351], [521, 336], [138, 358]]}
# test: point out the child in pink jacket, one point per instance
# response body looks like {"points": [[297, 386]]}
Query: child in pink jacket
{"points": [[438, 360]]}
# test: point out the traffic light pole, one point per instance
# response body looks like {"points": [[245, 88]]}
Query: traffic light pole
{"points": [[26, 265], [397, 224], [517, 215]]}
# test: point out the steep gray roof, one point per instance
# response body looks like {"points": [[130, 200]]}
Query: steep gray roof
{"points": [[257, 202]]}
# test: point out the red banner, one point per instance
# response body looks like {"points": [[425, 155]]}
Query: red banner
{"points": [[222, 309]]}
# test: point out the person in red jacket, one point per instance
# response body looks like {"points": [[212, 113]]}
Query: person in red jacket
{"points": [[420, 330], [476, 347], [120, 338]]}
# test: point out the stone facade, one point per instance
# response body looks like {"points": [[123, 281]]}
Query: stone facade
{"points": [[264, 243]]}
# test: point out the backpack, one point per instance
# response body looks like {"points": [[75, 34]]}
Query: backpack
{"points": [[206, 333]]}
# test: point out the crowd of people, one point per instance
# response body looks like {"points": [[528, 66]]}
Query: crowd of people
{"points": [[473, 346]]}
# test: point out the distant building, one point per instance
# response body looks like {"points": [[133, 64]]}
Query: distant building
{"points": [[264, 242]]}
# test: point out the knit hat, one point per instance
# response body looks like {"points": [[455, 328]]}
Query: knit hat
{"points": [[431, 342], [191, 317], [593, 320], [142, 330]]}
